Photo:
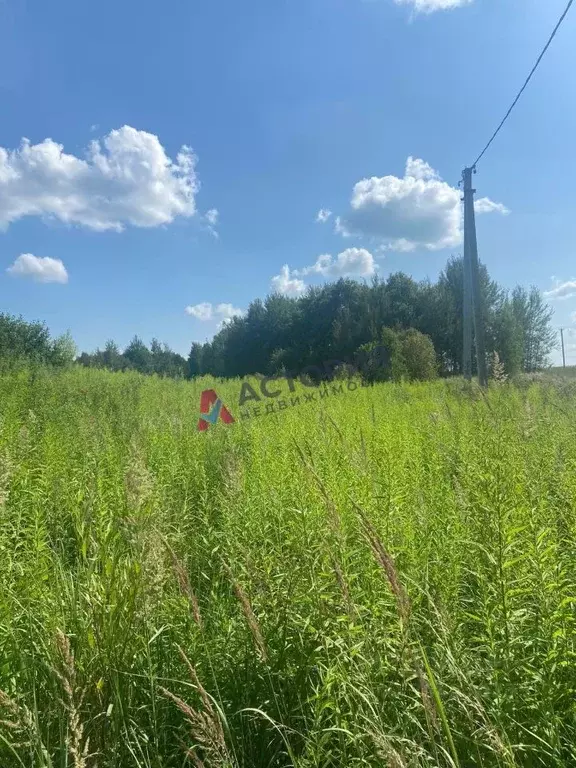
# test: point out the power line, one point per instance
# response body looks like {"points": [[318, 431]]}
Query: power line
{"points": [[534, 68]]}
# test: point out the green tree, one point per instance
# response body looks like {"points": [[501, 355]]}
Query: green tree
{"points": [[112, 357], [20, 339], [445, 308], [331, 322], [534, 319], [64, 350], [371, 358], [31, 342], [504, 338], [419, 355], [138, 356], [195, 367]]}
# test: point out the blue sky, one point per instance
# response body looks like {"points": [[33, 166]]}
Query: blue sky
{"points": [[283, 108]]}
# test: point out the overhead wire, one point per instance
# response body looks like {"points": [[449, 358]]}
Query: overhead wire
{"points": [[517, 99]]}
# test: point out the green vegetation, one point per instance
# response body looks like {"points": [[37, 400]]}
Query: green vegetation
{"points": [[411, 357], [332, 322], [568, 372], [384, 578], [25, 342], [159, 359], [335, 320]]}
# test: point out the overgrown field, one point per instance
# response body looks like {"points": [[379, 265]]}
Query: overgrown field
{"points": [[383, 578]]}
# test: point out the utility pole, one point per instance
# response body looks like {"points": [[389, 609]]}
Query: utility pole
{"points": [[472, 286], [563, 353], [467, 297]]}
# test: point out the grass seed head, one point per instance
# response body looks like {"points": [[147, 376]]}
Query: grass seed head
{"points": [[248, 613], [185, 586]]}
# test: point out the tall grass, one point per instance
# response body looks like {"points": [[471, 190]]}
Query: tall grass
{"points": [[384, 578]]}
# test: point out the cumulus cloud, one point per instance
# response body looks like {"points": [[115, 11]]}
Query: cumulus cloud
{"points": [[201, 311], [287, 285], [430, 6], [206, 311], [323, 215], [353, 262], [226, 312], [562, 290], [420, 169], [41, 269], [485, 205], [125, 178], [419, 210]]}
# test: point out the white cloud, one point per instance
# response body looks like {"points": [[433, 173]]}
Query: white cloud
{"points": [[227, 311], [201, 311], [562, 290], [211, 216], [289, 286], [485, 205], [430, 6], [125, 178], [420, 169], [207, 311], [323, 215], [401, 245], [419, 210], [353, 262], [42, 269], [340, 227]]}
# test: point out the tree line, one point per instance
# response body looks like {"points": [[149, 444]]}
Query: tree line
{"points": [[420, 322], [335, 320], [21, 340], [158, 359]]}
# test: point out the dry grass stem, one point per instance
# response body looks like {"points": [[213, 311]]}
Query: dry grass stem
{"points": [[248, 613]]}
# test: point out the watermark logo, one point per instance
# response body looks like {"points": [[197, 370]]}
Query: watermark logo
{"points": [[277, 393], [212, 409]]}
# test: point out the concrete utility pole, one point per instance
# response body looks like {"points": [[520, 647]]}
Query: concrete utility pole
{"points": [[467, 297], [563, 353], [473, 301]]}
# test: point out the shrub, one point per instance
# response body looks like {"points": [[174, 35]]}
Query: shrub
{"points": [[398, 355], [419, 355]]}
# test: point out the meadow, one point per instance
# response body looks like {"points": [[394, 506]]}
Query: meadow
{"points": [[384, 578]]}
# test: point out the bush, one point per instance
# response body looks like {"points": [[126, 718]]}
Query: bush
{"points": [[398, 355], [382, 360], [419, 355], [30, 342]]}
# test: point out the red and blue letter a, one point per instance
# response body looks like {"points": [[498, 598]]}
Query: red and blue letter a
{"points": [[211, 407]]}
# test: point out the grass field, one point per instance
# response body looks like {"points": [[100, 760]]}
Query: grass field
{"points": [[384, 578]]}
